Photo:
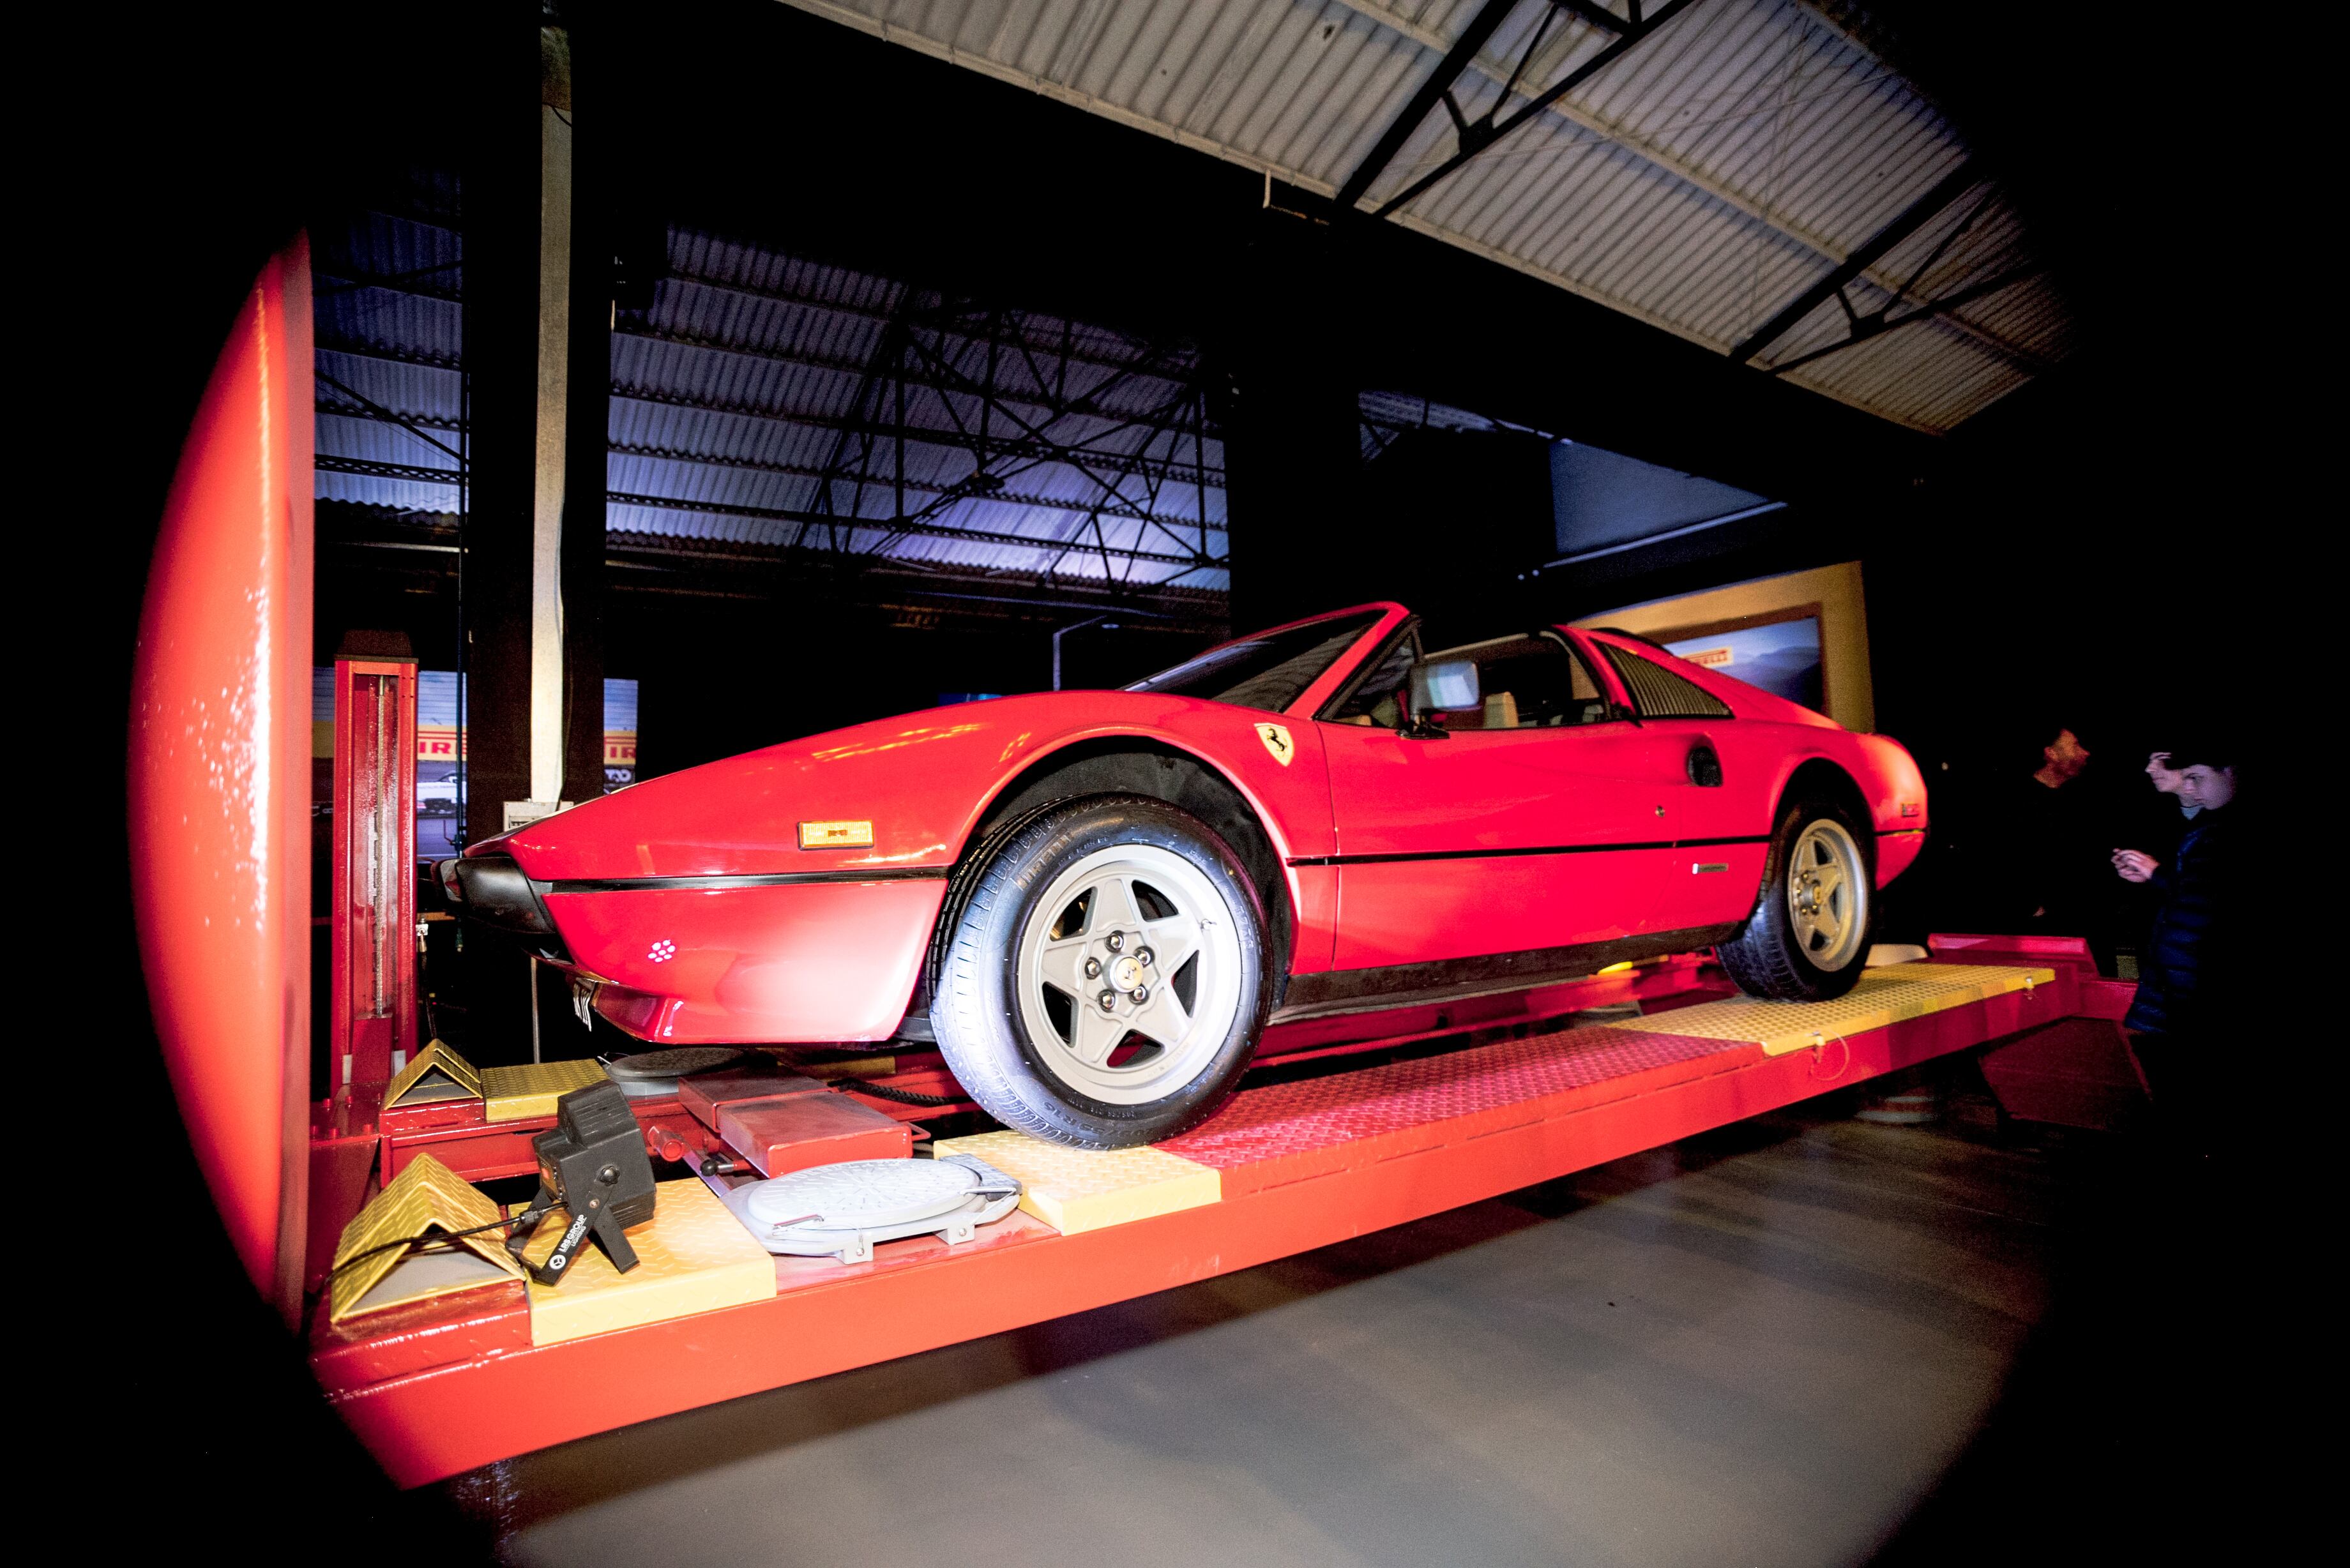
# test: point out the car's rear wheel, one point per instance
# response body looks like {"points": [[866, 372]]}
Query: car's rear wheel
{"points": [[1807, 940], [1100, 976]]}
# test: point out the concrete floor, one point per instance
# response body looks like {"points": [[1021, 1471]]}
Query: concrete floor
{"points": [[1801, 1340]]}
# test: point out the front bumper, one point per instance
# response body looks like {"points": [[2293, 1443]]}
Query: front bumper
{"points": [[809, 964]]}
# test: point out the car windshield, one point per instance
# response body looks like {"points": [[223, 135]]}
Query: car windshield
{"points": [[1270, 671]]}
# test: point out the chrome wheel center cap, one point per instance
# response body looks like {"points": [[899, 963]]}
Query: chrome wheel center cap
{"points": [[1126, 974]]}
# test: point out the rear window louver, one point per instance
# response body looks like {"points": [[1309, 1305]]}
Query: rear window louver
{"points": [[1660, 693]]}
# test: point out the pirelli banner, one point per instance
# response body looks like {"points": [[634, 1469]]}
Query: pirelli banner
{"points": [[440, 741]]}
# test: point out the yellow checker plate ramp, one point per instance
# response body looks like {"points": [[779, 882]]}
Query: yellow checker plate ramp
{"points": [[692, 1256], [1076, 1190], [1883, 998], [519, 1094], [427, 1194]]}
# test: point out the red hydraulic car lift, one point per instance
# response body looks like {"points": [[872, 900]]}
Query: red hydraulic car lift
{"points": [[442, 1386]]}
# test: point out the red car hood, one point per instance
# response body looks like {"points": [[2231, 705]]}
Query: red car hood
{"points": [[920, 780]]}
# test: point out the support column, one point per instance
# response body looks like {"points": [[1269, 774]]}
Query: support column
{"points": [[587, 409], [537, 350], [537, 354], [554, 433]]}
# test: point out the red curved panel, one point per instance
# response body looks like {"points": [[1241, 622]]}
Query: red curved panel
{"points": [[832, 960], [220, 761]]}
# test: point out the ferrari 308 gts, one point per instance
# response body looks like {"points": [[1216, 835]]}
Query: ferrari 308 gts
{"points": [[1099, 899]]}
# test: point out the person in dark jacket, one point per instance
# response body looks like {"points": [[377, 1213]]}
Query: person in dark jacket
{"points": [[2186, 979]]}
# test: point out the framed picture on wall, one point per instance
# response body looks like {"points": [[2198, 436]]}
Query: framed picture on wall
{"points": [[1802, 635], [1778, 650]]}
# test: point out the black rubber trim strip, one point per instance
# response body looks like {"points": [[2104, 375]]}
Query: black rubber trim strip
{"points": [[1512, 854], [1454, 979], [755, 879], [903, 1096]]}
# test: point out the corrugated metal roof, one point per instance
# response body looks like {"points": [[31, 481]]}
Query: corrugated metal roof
{"points": [[756, 403], [1699, 182]]}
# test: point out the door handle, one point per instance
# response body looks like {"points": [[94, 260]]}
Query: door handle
{"points": [[1704, 766]]}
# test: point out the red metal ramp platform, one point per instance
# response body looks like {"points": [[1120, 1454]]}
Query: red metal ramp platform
{"points": [[441, 1387]]}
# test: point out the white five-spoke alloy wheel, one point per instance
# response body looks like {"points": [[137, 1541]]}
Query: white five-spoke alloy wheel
{"points": [[1808, 935], [1129, 970], [1101, 974], [1827, 894]]}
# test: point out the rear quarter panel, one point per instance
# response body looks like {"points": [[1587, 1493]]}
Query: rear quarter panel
{"points": [[1770, 738]]}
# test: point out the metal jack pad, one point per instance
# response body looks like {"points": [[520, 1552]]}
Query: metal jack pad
{"points": [[841, 1211]]}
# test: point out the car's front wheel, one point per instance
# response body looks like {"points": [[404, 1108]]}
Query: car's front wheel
{"points": [[1807, 940], [1100, 975]]}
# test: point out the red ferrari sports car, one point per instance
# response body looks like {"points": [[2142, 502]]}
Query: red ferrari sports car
{"points": [[1099, 899]]}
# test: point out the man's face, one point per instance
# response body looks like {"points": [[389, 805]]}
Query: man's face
{"points": [[2158, 769], [2207, 787], [2065, 756]]}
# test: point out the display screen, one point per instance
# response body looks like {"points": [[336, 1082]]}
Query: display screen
{"points": [[1781, 658]]}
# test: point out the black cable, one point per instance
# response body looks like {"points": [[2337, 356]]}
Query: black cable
{"points": [[310, 1297], [424, 1236], [903, 1096]]}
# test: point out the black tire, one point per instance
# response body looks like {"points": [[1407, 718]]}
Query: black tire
{"points": [[985, 1032], [1768, 958]]}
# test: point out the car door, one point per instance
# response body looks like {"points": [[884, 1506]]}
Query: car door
{"points": [[1718, 818], [1529, 825]]}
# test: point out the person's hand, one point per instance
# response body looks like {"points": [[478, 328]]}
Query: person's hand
{"points": [[2135, 864]]}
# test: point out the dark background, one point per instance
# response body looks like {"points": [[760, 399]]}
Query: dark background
{"points": [[2107, 543]]}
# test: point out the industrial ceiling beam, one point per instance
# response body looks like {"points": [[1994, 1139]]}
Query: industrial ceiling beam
{"points": [[1495, 126], [401, 355], [1008, 497], [896, 587], [350, 276], [1599, 16], [1183, 470], [426, 535], [422, 282], [1388, 14], [1075, 593], [413, 474], [1915, 216], [1013, 333], [380, 415], [1041, 399], [327, 462], [397, 354], [1423, 103], [1862, 328], [1014, 446], [899, 524]]}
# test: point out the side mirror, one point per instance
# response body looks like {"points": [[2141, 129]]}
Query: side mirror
{"points": [[1446, 686]]}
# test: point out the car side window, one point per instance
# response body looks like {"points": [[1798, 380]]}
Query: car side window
{"points": [[1530, 683], [1661, 694], [1378, 700]]}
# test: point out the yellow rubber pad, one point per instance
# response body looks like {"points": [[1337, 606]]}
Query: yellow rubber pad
{"points": [[1075, 1189], [519, 1094], [426, 1197], [691, 1256], [1884, 997]]}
